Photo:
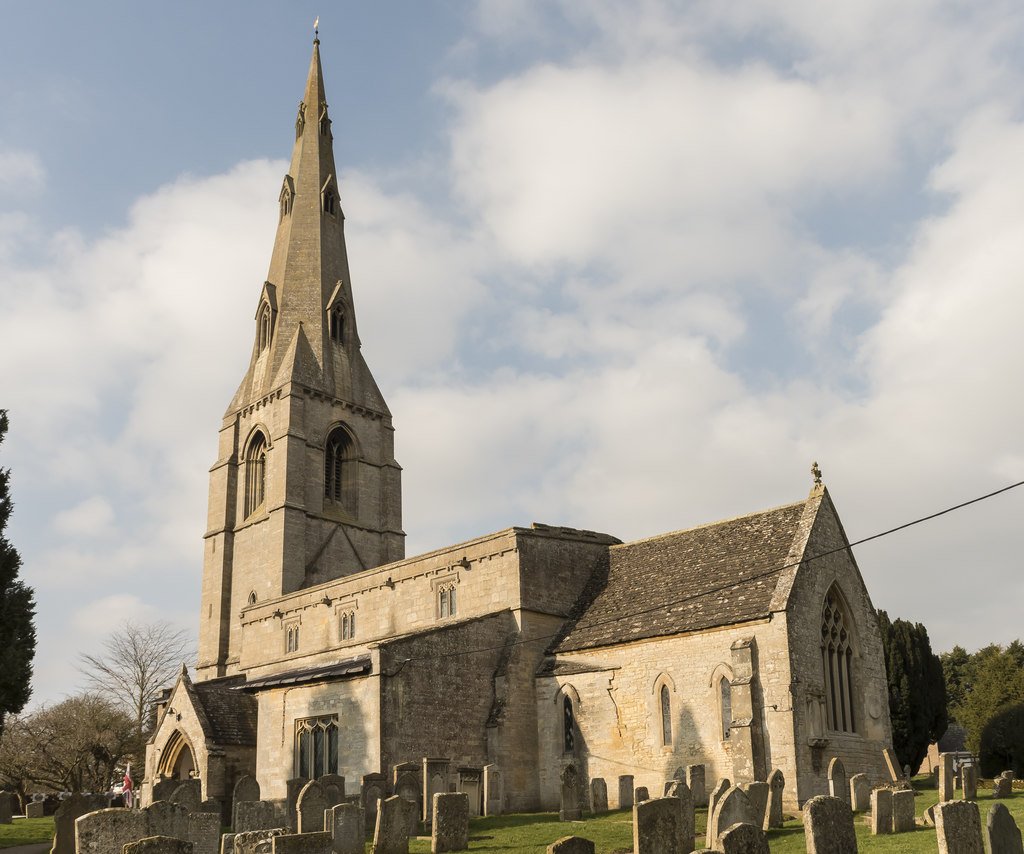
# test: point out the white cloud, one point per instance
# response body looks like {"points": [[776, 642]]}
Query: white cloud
{"points": [[20, 171], [92, 517]]}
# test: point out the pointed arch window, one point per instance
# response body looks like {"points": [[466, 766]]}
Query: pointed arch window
{"points": [[316, 746], [340, 469], [336, 322], [666, 717], [725, 694], [252, 597], [291, 638], [837, 664], [265, 327], [348, 625], [330, 201], [255, 473], [568, 725]]}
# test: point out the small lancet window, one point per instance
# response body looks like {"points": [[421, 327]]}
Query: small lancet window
{"points": [[265, 328], [348, 625], [837, 664], [255, 473], [726, 694], [446, 601], [330, 201], [568, 725], [666, 717], [252, 597], [291, 643], [340, 469], [325, 123], [336, 321]]}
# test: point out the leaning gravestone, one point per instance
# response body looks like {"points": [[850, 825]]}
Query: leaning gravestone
{"points": [[903, 811], [969, 782], [892, 764], [450, 828], [837, 785], [310, 807], [733, 807], [1001, 832], [391, 834], [293, 787], [189, 795], [571, 845], [958, 827], [254, 815], [626, 792], [773, 812], [658, 827], [860, 793], [345, 824], [640, 794], [881, 811], [302, 843], [928, 816], [695, 782], [159, 845], [720, 789], [757, 793], [744, 839], [945, 777], [598, 797], [828, 826], [256, 841], [570, 808], [70, 810]]}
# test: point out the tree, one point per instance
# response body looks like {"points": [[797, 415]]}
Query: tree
{"points": [[137, 662], [956, 670], [917, 689], [76, 745], [996, 689], [17, 613]]}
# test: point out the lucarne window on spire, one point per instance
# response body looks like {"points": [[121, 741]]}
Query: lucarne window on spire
{"points": [[265, 328], [330, 201], [336, 321]]}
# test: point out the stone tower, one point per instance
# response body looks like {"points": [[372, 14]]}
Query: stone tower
{"points": [[305, 487]]}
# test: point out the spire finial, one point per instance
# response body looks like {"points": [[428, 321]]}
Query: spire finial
{"points": [[316, 30], [816, 471]]}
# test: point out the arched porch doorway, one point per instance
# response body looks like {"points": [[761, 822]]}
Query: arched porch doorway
{"points": [[178, 760]]}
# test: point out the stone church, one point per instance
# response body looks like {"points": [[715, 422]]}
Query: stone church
{"points": [[746, 644]]}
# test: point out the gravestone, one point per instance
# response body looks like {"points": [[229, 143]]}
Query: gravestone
{"points": [[310, 807], [109, 830], [695, 783], [293, 787], [733, 807], [255, 815], [247, 789], [304, 843], [860, 793], [166, 818], [210, 805], [626, 792], [1001, 833], [658, 827], [928, 816], [373, 788], [881, 811], [7, 807], [1007, 775], [892, 764], [1002, 787], [70, 810], [720, 789], [773, 812], [159, 845], [640, 794], [435, 779], [571, 845], [903, 811], [945, 777], [828, 826], [838, 787], [256, 841], [571, 798], [345, 824], [969, 782], [907, 773], [450, 828], [408, 785], [757, 794], [471, 784], [334, 788], [227, 843], [35, 809], [958, 827], [494, 791], [598, 797], [189, 795], [203, 832], [744, 839], [391, 833]]}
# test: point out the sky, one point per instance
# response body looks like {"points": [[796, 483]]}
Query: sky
{"points": [[629, 267]]}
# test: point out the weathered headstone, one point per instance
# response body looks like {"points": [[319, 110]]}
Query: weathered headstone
{"points": [[109, 830], [757, 793], [391, 834], [494, 791], [903, 811], [6, 811], [256, 841], [892, 764], [345, 824], [158, 845], [571, 845], [254, 815], [658, 827], [293, 787], [450, 828], [35, 809], [743, 839], [640, 794], [733, 807], [945, 777], [626, 792], [828, 826], [227, 843], [969, 782], [571, 799], [310, 807], [907, 774], [247, 788], [302, 843], [773, 812], [204, 832], [435, 779], [373, 788], [695, 783], [334, 788], [958, 827], [1002, 787], [166, 818], [838, 787], [470, 782], [881, 811], [408, 782], [928, 816], [598, 796], [1001, 832], [189, 795], [860, 793], [70, 810], [721, 787]]}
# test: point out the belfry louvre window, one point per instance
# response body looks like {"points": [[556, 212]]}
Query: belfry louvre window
{"points": [[316, 746], [339, 469], [837, 663], [255, 473]]}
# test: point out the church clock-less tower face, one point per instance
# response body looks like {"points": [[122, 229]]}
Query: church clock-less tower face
{"points": [[305, 488]]}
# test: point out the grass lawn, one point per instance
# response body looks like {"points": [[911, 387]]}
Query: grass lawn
{"points": [[25, 831]]}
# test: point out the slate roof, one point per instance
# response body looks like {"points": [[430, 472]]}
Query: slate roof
{"points": [[349, 667], [722, 563], [231, 715]]}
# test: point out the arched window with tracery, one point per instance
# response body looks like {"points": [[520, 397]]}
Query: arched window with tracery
{"points": [[339, 469], [568, 725], [255, 473], [666, 717], [316, 746], [837, 664]]}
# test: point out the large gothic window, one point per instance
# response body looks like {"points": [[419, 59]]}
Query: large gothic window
{"points": [[255, 473], [837, 664], [339, 469], [666, 717], [316, 746]]}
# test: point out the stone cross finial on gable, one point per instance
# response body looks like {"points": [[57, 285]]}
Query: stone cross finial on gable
{"points": [[816, 471]]}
